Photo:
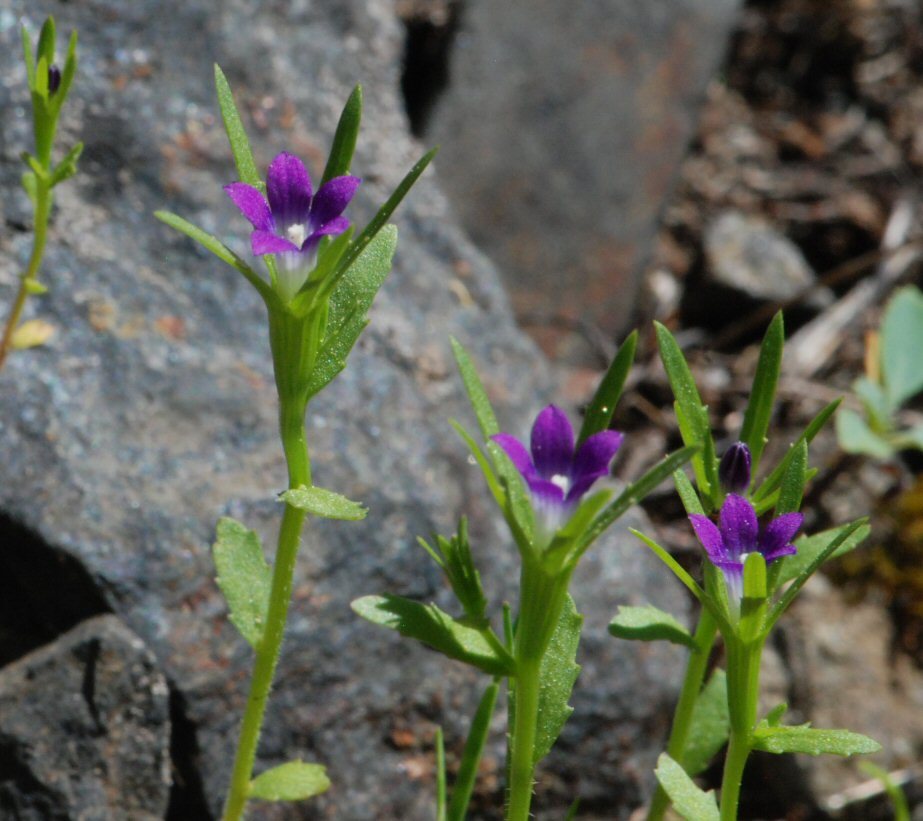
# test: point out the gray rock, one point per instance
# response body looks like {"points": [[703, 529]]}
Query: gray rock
{"points": [[85, 729], [152, 413], [562, 129], [748, 255]]}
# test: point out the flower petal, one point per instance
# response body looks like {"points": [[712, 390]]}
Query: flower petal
{"points": [[547, 495], [517, 452], [289, 188], [739, 528], [595, 454], [266, 242], [710, 537], [336, 226], [251, 203], [332, 198], [775, 539], [552, 443]]}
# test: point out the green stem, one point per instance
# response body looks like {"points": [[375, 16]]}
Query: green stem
{"points": [[30, 275], [696, 668], [291, 424], [743, 660], [542, 598]]}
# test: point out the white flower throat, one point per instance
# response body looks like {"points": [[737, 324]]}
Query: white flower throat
{"points": [[561, 481], [296, 234]]}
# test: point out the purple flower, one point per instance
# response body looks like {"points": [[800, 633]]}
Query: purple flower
{"points": [[54, 78], [557, 476], [295, 219], [738, 534], [734, 470]]}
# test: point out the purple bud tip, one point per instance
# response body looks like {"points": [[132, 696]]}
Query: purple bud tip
{"points": [[734, 470], [54, 79]]}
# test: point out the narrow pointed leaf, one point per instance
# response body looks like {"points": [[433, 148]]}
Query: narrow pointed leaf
{"points": [[635, 492], [691, 802], [217, 247], [435, 628], [687, 494], [292, 781], [810, 547], [244, 577], [440, 776], [493, 483], [763, 392], [67, 75], [772, 482], [648, 623], [28, 57], [477, 396], [344, 140], [30, 184], [350, 305], [602, 406], [237, 136], [384, 214], [710, 727], [68, 166], [517, 506], [691, 413], [793, 480], [803, 738], [842, 536], [324, 503], [46, 40], [471, 756], [559, 671]]}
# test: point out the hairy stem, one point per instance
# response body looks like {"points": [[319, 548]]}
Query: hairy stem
{"points": [[267, 654]]}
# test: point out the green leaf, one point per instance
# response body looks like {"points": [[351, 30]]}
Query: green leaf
{"points": [[483, 463], [46, 40], [687, 494], [471, 756], [648, 623], [517, 502], [349, 307], [237, 137], [30, 184], [28, 57], [710, 727], [344, 140], [292, 781], [244, 577], [691, 802], [477, 396], [381, 218], [634, 493], [875, 403], [810, 547], [691, 414], [855, 436], [901, 343], [891, 787], [437, 629], [324, 503], [803, 739], [763, 392], [842, 536], [67, 167], [772, 482], [602, 406], [793, 481], [34, 287], [218, 248], [557, 554], [559, 671]]}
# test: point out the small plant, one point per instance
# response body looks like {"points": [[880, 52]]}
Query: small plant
{"points": [[49, 86], [321, 283], [545, 493], [751, 576], [893, 376]]}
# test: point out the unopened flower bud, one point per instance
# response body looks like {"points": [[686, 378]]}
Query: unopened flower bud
{"points": [[54, 78], [734, 470]]}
